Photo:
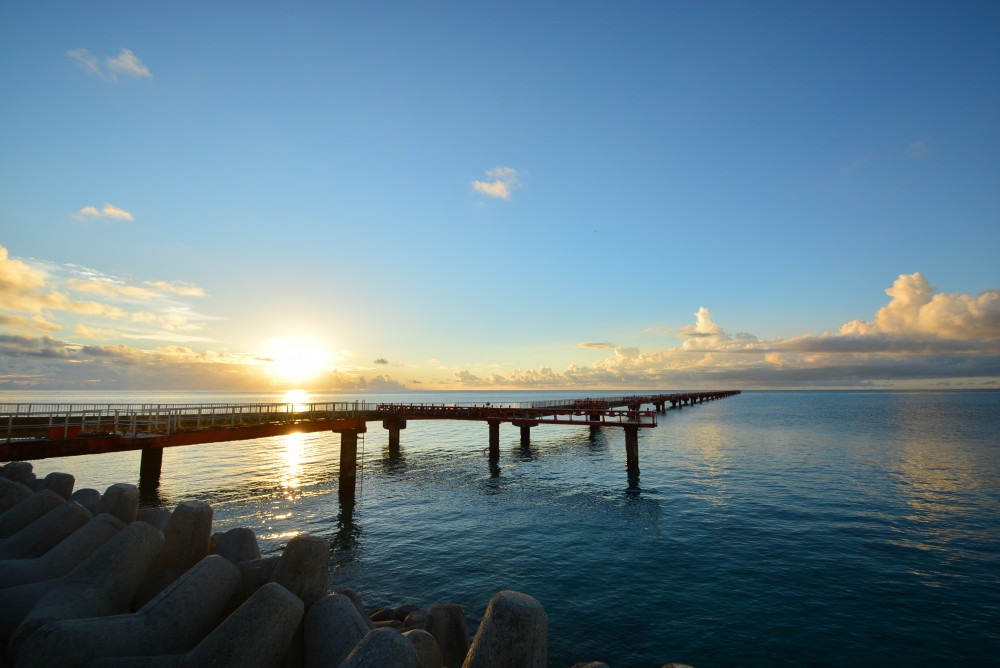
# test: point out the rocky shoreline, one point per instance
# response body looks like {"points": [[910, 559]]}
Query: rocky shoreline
{"points": [[90, 579]]}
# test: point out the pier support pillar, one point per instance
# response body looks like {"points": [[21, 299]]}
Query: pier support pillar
{"points": [[525, 432], [394, 425], [632, 446], [494, 438], [150, 464], [348, 458]]}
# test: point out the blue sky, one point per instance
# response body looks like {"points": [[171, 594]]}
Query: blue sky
{"points": [[465, 195]]}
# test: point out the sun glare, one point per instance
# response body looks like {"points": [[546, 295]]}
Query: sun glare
{"points": [[293, 361]]}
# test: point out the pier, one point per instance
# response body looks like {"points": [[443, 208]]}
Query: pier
{"points": [[38, 431]]}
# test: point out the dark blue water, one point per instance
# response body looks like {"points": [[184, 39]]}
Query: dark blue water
{"points": [[777, 528]]}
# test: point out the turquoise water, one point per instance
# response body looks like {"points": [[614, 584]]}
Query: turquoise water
{"points": [[778, 528]]}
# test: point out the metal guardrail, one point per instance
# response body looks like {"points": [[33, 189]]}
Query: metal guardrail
{"points": [[71, 420]]}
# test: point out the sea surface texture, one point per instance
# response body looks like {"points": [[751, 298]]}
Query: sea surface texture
{"points": [[769, 528]]}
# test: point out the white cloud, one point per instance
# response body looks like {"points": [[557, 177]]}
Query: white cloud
{"points": [[109, 211], [504, 182], [86, 60], [916, 311], [916, 150], [126, 62]]}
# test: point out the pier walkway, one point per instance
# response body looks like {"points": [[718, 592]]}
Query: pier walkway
{"points": [[38, 431]]}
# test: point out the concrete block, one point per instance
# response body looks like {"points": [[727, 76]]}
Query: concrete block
{"points": [[253, 575], [12, 493], [185, 543], [236, 545], [45, 533], [386, 648], [304, 568], [333, 627], [158, 517], [121, 500], [514, 632], [427, 648], [172, 623], [591, 664], [88, 498], [356, 600], [415, 620], [450, 628], [103, 584], [62, 558], [18, 472], [255, 636], [28, 511], [60, 483]]}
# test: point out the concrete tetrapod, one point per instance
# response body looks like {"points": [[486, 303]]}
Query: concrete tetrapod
{"points": [[18, 472], [104, 584], [60, 483], [121, 500], [385, 648], [514, 632], [172, 623], [333, 628], [304, 567], [64, 557], [255, 636], [88, 498], [12, 493], [447, 623], [186, 541], [28, 511], [45, 533], [427, 648]]}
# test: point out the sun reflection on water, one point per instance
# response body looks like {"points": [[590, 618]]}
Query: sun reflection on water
{"points": [[292, 470]]}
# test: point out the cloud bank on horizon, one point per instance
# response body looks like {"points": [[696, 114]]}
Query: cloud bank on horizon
{"points": [[57, 323]]}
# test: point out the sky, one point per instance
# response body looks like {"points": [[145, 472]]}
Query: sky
{"points": [[375, 196]]}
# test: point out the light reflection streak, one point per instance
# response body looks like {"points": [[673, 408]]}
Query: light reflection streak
{"points": [[292, 470]]}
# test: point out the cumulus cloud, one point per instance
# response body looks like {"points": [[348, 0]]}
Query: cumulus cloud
{"points": [[503, 181], [916, 311], [109, 211], [921, 336], [126, 62]]}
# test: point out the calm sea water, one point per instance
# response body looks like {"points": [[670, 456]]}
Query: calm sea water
{"points": [[769, 528]]}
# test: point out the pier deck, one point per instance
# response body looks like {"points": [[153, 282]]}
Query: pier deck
{"points": [[38, 431]]}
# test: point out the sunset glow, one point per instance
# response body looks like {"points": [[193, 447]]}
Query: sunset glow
{"points": [[715, 195]]}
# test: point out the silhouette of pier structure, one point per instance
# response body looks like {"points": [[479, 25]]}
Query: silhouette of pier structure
{"points": [[39, 431]]}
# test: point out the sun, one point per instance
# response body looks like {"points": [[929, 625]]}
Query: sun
{"points": [[295, 361]]}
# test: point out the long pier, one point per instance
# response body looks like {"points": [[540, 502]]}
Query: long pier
{"points": [[39, 431]]}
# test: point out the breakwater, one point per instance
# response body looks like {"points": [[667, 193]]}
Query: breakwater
{"points": [[89, 578]]}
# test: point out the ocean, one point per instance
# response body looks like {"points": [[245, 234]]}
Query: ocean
{"points": [[808, 528]]}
